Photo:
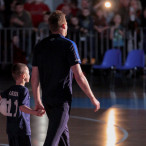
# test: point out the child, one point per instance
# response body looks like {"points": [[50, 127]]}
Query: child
{"points": [[117, 34], [18, 108]]}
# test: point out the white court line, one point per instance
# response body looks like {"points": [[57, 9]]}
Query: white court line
{"points": [[103, 122], [4, 144]]}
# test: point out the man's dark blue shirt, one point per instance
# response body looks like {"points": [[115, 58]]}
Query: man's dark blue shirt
{"points": [[18, 122], [54, 56]]}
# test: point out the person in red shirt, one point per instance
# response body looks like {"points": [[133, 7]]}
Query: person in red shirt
{"points": [[37, 9], [60, 6]]}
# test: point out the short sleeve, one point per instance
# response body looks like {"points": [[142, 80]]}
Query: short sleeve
{"points": [[24, 97], [73, 55]]}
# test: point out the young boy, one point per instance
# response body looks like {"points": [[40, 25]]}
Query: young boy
{"points": [[18, 108]]}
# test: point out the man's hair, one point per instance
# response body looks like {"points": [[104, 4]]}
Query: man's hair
{"points": [[17, 70], [56, 19]]}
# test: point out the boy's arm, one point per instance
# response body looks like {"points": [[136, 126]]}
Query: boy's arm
{"points": [[0, 97], [28, 110]]}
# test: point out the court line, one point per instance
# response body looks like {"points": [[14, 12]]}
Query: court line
{"points": [[103, 122], [4, 144]]}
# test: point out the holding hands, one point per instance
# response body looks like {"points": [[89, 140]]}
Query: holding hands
{"points": [[40, 112], [39, 108]]}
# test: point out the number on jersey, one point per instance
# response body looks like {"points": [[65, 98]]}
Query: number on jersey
{"points": [[6, 106]]}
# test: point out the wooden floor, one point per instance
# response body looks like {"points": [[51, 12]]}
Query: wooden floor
{"points": [[120, 121]]}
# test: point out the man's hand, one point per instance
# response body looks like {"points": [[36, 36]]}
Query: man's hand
{"points": [[96, 103], [40, 112], [39, 106]]}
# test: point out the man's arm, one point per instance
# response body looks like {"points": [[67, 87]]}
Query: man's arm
{"points": [[36, 88], [84, 85]]}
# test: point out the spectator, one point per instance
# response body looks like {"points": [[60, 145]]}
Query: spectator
{"points": [[9, 5], [37, 8], [10, 9], [59, 7], [44, 26], [86, 23], [134, 23], [134, 14], [123, 10], [74, 24], [86, 4], [66, 9], [74, 29], [75, 11], [20, 18], [100, 21], [117, 33], [109, 15], [101, 27], [108, 12]]}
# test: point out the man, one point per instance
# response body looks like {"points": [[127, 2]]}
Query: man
{"points": [[54, 60], [36, 8], [20, 18]]}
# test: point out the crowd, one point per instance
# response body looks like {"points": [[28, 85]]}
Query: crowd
{"points": [[84, 18], [90, 15]]}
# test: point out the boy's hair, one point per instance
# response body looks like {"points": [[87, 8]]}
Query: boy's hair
{"points": [[18, 69], [56, 19]]}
